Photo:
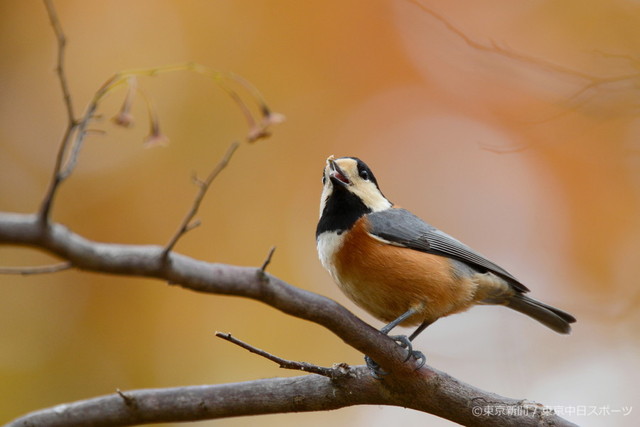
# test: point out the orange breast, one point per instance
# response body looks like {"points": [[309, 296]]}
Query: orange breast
{"points": [[387, 280]]}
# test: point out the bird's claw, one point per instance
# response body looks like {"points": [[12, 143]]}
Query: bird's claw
{"points": [[376, 371], [421, 359], [403, 341]]}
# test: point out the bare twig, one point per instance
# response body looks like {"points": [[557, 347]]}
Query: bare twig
{"points": [[494, 48], [75, 127], [284, 363], [186, 225], [195, 224], [76, 131], [25, 271], [62, 43], [72, 124], [78, 141], [257, 128], [593, 82], [501, 150]]}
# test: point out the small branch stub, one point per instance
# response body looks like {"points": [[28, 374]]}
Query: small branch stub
{"points": [[130, 401], [262, 272], [267, 261]]}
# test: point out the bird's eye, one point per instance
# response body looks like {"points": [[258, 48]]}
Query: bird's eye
{"points": [[364, 174]]}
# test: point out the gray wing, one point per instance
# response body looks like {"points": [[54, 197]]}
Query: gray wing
{"points": [[403, 228]]}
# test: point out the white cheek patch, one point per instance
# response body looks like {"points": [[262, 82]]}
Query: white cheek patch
{"points": [[371, 196]]}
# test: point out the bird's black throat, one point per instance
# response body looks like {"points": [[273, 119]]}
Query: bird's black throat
{"points": [[341, 211]]}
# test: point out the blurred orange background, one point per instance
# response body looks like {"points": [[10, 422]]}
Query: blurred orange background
{"points": [[521, 140]]}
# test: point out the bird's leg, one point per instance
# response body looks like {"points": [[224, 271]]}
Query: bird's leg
{"points": [[419, 329], [418, 355], [402, 340]]}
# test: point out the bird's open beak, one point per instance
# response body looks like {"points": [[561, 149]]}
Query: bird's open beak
{"points": [[336, 174]]}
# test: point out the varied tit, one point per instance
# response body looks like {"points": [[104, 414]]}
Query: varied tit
{"points": [[402, 270]]}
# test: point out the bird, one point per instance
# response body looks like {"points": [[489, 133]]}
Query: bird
{"points": [[402, 270]]}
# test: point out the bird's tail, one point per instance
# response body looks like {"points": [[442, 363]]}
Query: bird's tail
{"points": [[551, 317]]}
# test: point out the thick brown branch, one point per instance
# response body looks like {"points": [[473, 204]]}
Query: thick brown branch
{"points": [[436, 390], [148, 261], [426, 390], [277, 395]]}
